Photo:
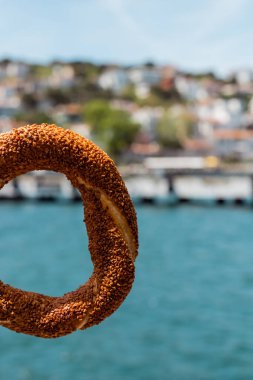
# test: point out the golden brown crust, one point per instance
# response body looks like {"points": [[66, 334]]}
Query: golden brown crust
{"points": [[110, 221]]}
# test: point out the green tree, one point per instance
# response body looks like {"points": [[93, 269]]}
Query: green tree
{"points": [[40, 71], [85, 70], [29, 101], [129, 93], [174, 127], [95, 111], [34, 117], [112, 128], [57, 96]]}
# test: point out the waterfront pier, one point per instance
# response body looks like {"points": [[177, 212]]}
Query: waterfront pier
{"points": [[169, 186], [193, 186], [157, 180], [190, 180]]}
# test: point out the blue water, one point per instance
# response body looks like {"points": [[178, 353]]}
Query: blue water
{"points": [[189, 315]]}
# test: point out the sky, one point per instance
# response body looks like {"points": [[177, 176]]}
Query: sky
{"points": [[197, 35]]}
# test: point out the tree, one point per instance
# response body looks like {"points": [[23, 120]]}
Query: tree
{"points": [[149, 64], [85, 70], [129, 93], [171, 95], [112, 128], [174, 127], [57, 96], [40, 71], [34, 117], [95, 111], [29, 101]]}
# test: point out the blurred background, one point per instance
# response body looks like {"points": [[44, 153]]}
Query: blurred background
{"points": [[166, 89]]}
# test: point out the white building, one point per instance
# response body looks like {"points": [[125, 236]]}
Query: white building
{"points": [[114, 79], [218, 113], [244, 76], [18, 70], [190, 89], [9, 96], [149, 76], [141, 77], [148, 117], [142, 90], [61, 76], [237, 142], [6, 124]]}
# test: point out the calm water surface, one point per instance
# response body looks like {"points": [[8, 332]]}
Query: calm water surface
{"points": [[189, 315]]}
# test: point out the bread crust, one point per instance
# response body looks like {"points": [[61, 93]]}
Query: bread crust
{"points": [[111, 226]]}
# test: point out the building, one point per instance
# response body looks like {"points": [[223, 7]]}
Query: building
{"points": [[114, 79], [62, 76], [148, 118], [142, 74], [236, 143]]}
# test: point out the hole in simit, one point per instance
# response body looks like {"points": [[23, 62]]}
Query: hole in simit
{"points": [[43, 244]]}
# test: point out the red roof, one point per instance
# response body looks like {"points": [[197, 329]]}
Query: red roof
{"points": [[233, 134]]}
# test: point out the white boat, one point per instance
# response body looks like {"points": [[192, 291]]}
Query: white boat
{"points": [[45, 184], [8, 191]]}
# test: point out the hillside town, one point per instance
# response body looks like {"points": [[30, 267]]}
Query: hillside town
{"points": [[165, 110], [150, 119]]}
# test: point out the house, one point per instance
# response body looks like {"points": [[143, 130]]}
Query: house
{"points": [[66, 114], [6, 124], [9, 96], [148, 118], [62, 76], [114, 79], [142, 90], [69, 115], [190, 88], [18, 70], [167, 77], [244, 76], [142, 77], [142, 74], [233, 143], [216, 113]]}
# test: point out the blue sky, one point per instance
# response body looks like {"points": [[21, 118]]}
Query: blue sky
{"points": [[192, 34]]}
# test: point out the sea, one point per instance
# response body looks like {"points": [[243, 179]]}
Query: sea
{"points": [[189, 315]]}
